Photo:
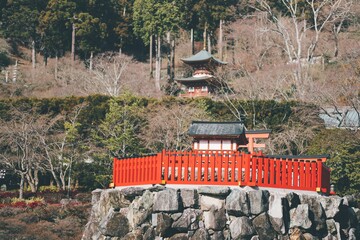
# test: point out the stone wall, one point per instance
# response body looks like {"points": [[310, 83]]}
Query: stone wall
{"points": [[219, 213]]}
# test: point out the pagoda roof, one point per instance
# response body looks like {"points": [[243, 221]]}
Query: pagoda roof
{"points": [[230, 129], [202, 56], [192, 79]]}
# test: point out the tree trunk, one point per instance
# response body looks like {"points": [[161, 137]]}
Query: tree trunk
{"points": [[336, 50], [21, 190], [73, 43], [172, 74], [62, 180], [69, 181], [58, 185], [168, 38], [151, 57], [158, 63], [209, 43], [32, 178], [205, 37], [221, 40], [45, 59], [15, 71], [33, 54], [91, 60], [56, 65], [192, 41], [233, 51], [336, 30]]}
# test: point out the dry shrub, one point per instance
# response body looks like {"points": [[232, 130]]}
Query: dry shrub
{"points": [[47, 212], [137, 80], [293, 138], [68, 228], [12, 227], [29, 218], [8, 211], [45, 222], [4, 46], [71, 77], [42, 231], [80, 211], [83, 197]]}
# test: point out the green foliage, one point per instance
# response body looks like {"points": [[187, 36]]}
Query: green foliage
{"points": [[48, 189], [344, 149], [20, 20], [118, 131], [116, 15], [103, 25], [91, 32], [55, 26], [4, 60], [211, 12], [93, 175], [156, 17], [256, 114], [114, 126]]}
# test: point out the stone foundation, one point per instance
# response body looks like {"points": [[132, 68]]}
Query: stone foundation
{"points": [[219, 213]]}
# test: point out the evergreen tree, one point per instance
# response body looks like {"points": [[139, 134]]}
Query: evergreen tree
{"points": [[344, 150], [90, 33], [20, 21], [118, 132], [156, 18], [56, 25]]}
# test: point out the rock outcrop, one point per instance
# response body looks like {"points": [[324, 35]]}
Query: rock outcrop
{"points": [[219, 213]]}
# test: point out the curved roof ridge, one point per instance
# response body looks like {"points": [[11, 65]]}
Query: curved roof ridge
{"points": [[202, 56]]}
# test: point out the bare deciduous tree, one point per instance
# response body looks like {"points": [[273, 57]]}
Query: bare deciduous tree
{"points": [[61, 148], [294, 137], [299, 33], [167, 127], [21, 146], [107, 74]]}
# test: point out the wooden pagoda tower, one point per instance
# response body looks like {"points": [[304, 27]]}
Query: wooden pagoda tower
{"points": [[202, 82]]}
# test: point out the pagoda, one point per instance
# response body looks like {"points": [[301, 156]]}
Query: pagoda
{"points": [[203, 81]]}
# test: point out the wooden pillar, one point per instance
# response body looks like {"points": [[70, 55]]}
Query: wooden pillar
{"points": [[251, 144]]}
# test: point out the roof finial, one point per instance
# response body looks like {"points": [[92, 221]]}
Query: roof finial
{"points": [[205, 37]]}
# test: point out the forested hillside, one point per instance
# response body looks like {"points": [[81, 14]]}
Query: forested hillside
{"points": [[83, 81]]}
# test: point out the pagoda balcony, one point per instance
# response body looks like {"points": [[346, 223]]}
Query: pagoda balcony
{"points": [[194, 94], [226, 168]]}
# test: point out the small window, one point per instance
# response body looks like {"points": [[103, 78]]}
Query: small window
{"points": [[191, 89], [204, 88]]}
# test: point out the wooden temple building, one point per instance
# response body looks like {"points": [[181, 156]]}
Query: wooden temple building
{"points": [[202, 82], [226, 136], [218, 158]]}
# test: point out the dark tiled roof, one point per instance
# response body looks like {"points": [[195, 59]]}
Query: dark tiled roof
{"points": [[193, 79], [202, 56], [216, 129]]}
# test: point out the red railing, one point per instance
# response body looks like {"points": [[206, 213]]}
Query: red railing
{"points": [[224, 168]]}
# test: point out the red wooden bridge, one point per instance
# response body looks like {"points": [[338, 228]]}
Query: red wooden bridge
{"points": [[224, 168]]}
